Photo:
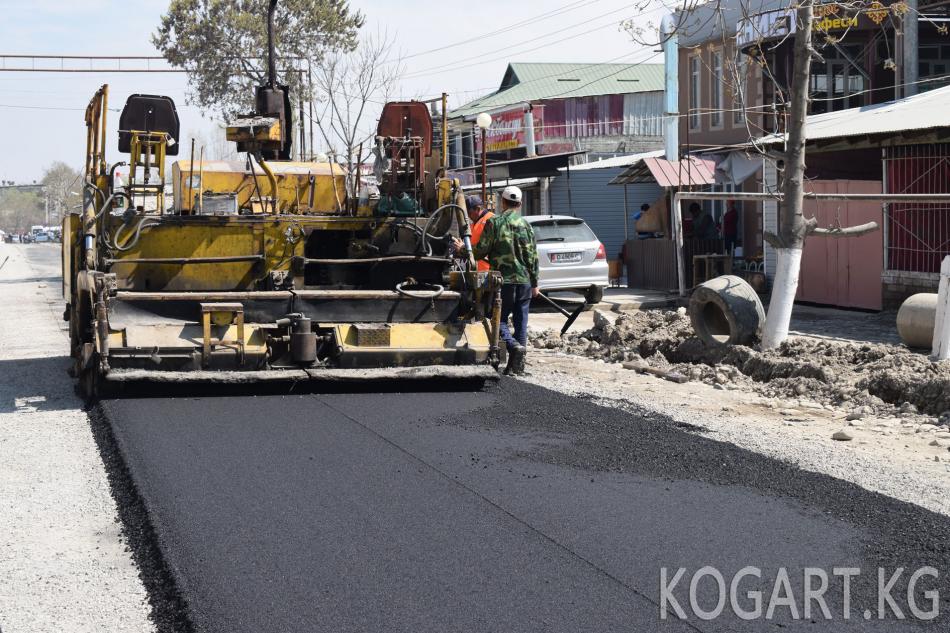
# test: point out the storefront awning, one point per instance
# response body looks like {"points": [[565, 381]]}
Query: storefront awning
{"points": [[545, 165], [690, 171]]}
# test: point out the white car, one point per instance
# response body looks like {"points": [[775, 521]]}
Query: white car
{"points": [[570, 256]]}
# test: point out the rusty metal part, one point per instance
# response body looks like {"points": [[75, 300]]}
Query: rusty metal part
{"points": [[396, 374], [185, 260], [495, 322]]}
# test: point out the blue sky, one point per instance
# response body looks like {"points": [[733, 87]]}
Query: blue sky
{"points": [[35, 138]]}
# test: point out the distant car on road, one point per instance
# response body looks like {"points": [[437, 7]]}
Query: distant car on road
{"points": [[570, 255]]}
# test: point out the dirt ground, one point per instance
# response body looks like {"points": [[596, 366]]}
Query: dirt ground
{"points": [[862, 378]]}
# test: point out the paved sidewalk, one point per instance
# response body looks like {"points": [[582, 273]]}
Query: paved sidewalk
{"points": [[845, 325], [620, 299], [63, 564]]}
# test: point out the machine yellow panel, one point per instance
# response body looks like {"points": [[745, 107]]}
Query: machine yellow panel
{"points": [[243, 251], [301, 187], [413, 336], [248, 129]]}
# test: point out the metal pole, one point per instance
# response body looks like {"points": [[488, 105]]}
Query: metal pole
{"points": [[570, 202], [484, 167], [909, 30], [445, 133], [303, 126], [863, 197], [310, 106], [761, 196], [626, 213], [678, 240]]}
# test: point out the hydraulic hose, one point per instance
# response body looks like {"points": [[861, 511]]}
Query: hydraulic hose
{"points": [[132, 241], [463, 228], [435, 293]]}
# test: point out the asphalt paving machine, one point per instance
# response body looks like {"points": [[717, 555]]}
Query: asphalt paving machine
{"points": [[268, 269]]}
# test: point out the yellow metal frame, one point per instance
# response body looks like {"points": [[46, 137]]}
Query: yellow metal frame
{"points": [[143, 146], [221, 314]]}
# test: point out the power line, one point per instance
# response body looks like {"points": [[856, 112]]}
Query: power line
{"points": [[571, 71], [424, 71], [534, 19], [35, 107]]}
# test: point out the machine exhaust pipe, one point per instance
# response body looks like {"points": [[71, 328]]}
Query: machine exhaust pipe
{"points": [[271, 49]]}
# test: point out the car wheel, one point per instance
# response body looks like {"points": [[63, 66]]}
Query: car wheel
{"points": [[594, 294]]}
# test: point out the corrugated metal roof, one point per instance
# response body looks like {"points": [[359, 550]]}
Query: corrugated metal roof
{"points": [[921, 112], [532, 82], [689, 171], [499, 185], [616, 161], [705, 22]]}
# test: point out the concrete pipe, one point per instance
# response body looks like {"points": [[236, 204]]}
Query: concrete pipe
{"points": [[916, 318], [726, 311]]}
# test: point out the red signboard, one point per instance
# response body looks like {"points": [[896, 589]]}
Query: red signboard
{"points": [[507, 130]]}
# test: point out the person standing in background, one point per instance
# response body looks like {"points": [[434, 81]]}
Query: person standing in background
{"points": [[730, 227], [507, 242], [478, 215]]}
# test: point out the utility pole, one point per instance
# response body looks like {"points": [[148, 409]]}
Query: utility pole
{"points": [[909, 40]]}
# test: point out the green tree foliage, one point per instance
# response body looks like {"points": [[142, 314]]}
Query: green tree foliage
{"points": [[19, 210], [222, 44], [63, 184]]}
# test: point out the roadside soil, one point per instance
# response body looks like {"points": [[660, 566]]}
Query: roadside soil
{"points": [[64, 562]]}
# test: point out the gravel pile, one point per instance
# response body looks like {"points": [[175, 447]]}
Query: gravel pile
{"points": [[866, 379]]}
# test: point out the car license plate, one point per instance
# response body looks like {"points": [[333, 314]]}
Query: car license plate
{"points": [[565, 258]]}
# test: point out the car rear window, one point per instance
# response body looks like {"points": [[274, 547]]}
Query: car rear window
{"points": [[562, 231]]}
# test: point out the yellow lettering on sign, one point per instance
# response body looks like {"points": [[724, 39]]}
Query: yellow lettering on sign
{"points": [[828, 24]]}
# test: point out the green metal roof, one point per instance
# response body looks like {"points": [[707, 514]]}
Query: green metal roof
{"points": [[533, 82]]}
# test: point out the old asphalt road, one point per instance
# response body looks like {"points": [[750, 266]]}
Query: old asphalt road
{"points": [[512, 510]]}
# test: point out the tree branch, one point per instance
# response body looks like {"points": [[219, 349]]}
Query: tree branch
{"points": [[844, 231]]}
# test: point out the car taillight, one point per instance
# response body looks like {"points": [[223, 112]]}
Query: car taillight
{"points": [[601, 252]]}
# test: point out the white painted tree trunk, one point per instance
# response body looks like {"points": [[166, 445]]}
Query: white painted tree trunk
{"points": [[784, 288]]}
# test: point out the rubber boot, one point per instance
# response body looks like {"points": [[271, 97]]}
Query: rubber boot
{"points": [[515, 364], [520, 369]]}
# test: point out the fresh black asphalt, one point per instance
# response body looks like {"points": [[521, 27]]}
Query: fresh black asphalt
{"points": [[516, 509]]}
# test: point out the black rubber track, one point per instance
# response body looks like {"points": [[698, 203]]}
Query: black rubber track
{"points": [[512, 510]]}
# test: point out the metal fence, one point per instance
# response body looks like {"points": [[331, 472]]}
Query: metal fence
{"points": [[916, 235]]}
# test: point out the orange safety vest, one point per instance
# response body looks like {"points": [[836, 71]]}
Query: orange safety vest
{"points": [[477, 229]]}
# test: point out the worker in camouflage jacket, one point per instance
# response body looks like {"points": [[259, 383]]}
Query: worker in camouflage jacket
{"points": [[507, 242]]}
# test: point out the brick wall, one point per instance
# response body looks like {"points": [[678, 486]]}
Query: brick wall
{"points": [[897, 286]]}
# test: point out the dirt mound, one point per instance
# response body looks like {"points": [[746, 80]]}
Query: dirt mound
{"points": [[872, 378]]}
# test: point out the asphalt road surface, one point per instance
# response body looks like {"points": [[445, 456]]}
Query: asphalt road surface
{"points": [[515, 509]]}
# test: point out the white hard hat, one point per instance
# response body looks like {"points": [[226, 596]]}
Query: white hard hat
{"points": [[511, 194]]}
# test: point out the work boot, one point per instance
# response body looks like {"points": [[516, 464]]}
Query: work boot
{"points": [[515, 366]]}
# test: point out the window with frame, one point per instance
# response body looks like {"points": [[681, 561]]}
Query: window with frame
{"points": [[715, 117], [694, 92]]}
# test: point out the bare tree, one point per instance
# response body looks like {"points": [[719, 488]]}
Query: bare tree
{"points": [[794, 227], [350, 88], [214, 141], [792, 102], [62, 182]]}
